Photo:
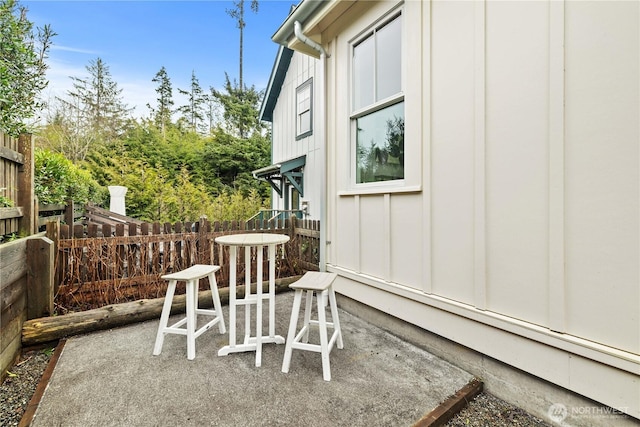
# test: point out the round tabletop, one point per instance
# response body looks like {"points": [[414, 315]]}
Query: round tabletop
{"points": [[252, 239]]}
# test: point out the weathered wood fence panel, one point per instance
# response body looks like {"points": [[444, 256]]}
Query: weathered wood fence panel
{"points": [[102, 265], [13, 300], [307, 244], [22, 272], [16, 185], [69, 213]]}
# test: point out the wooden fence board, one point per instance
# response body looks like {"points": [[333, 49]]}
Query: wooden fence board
{"points": [[13, 264], [40, 259], [16, 184], [127, 264]]}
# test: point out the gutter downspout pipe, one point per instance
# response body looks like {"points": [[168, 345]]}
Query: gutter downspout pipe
{"points": [[297, 30]]}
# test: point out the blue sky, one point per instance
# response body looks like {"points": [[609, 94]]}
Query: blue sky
{"points": [[136, 38]]}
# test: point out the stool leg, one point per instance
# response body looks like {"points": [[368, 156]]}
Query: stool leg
{"points": [[324, 342], [307, 315], [164, 317], [233, 254], [247, 293], [334, 317], [259, 307], [213, 284], [293, 323], [192, 301]]}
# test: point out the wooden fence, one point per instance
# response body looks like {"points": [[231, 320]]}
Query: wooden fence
{"points": [[16, 185], [69, 213], [98, 265], [26, 281]]}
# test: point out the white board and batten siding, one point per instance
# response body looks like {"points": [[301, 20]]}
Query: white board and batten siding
{"points": [[285, 146], [518, 232]]}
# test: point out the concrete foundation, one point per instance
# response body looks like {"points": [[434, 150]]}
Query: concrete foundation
{"points": [[540, 398]]}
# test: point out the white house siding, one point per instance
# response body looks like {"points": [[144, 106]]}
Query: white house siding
{"points": [[285, 146], [601, 172], [520, 237]]}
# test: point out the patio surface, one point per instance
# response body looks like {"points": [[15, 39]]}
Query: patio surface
{"points": [[110, 378]]}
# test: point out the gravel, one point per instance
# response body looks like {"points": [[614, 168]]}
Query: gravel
{"points": [[21, 382], [489, 411]]}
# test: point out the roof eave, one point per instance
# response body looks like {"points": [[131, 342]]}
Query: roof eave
{"points": [[308, 10], [278, 73]]}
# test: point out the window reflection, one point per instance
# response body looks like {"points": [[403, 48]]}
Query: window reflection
{"points": [[380, 145]]}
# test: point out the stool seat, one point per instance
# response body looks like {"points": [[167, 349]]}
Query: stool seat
{"points": [[191, 276], [195, 272], [314, 281], [320, 284]]}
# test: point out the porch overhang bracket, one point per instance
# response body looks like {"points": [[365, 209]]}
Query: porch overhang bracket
{"points": [[297, 181], [279, 174], [276, 183]]}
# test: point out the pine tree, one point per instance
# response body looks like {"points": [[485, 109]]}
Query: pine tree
{"points": [[212, 111], [241, 108], [237, 13], [192, 112], [97, 102], [162, 114]]}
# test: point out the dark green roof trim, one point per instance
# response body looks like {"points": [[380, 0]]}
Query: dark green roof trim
{"points": [[278, 73], [293, 164], [279, 174]]}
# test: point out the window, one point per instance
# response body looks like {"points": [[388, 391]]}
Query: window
{"points": [[304, 101], [377, 111]]}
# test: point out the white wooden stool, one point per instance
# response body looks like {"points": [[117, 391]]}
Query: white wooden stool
{"points": [[191, 276], [320, 284]]}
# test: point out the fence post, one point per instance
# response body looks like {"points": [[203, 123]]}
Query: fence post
{"points": [[69, 213], [40, 267], [53, 234], [203, 244], [292, 226], [26, 192]]}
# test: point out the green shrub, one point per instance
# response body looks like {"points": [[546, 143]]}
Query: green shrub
{"points": [[57, 179]]}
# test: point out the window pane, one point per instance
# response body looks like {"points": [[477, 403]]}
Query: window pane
{"points": [[304, 124], [388, 60], [304, 95], [363, 58], [303, 109], [380, 145], [304, 105]]}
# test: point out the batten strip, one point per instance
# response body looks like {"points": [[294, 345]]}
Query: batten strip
{"points": [[479, 245]]}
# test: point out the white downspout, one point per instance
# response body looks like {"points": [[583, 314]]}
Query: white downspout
{"points": [[297, 30]]}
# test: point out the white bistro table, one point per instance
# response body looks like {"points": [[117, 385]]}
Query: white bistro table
{"points": [[248, 241]]}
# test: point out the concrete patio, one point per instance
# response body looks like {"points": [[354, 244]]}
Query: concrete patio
{"points": [[110, 378]]}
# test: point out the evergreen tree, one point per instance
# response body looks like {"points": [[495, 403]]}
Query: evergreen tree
{"points": [[97, 102], [237, 13], [192, 112], [22, 66], [212, 112], [162, 114], [228, 160], [241, 108]]}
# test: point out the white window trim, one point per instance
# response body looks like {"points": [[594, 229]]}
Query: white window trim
{"points": [[384, 103], [301, 135], [381, 187]]}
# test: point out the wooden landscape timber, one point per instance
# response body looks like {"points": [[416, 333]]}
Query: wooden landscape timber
{"points": [[46, 329]]}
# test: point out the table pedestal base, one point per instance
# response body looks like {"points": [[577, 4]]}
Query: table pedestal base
{"points": [[249, 345], [259, 241]]}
